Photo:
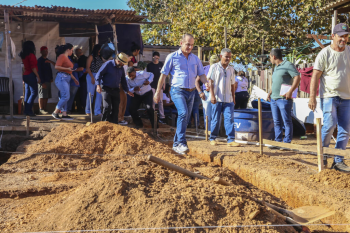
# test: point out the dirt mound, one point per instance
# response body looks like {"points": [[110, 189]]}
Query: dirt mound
{"points": [[332, 178], [99, 138], [144, 195], [79, 147]]}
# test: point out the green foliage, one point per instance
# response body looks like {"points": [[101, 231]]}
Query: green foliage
{"points": [[283, 23]]}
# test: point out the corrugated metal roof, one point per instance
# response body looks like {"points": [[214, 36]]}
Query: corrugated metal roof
{"points": [[335, 4], [64, 13]]}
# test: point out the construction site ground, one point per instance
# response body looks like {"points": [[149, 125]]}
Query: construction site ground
{"points": [[92, 177]]}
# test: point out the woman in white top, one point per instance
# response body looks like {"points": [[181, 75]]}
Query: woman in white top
{"points": [[241, 93]]}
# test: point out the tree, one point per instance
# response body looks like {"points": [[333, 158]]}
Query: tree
{"points": [[282, 23]]}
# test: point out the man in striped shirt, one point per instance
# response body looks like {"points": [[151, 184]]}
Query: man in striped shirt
{"points": [[223, 97]]}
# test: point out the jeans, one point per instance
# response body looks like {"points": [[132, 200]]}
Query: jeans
{"points": [[183, 101], [98, 100], [207, 108], [282, 115], [111, 100], [241, 99], [73, 92], [228, 110], [62, 82], [335, 112], [31, 92], [136, 101], [128, 101], [195, 109]]}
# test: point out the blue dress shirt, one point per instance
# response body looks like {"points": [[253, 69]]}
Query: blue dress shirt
{"points": [[111, 75], [183, 71]]}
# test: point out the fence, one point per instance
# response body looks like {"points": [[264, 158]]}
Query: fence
{"points": [[263, 79]]}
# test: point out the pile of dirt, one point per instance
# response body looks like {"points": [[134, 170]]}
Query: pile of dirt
{"points": [[141, 194], [79, 147], [99, 138], [336, 179]]}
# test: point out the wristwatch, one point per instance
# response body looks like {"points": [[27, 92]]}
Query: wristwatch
{"points": [[200, 92]]}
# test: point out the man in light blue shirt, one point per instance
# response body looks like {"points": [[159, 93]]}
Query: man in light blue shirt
{"points": [[186, 70], [139, 84]]}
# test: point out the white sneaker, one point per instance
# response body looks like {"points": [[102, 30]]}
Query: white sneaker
{"points": [[177, 150], [123, 122], [183, 148]]}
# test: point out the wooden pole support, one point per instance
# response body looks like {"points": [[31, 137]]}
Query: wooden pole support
{"points": [[218, 180], [27, 125], [90, 106], [196, 122], [155, 123], [319, 145], [206, 128], [175, 167], [260, 127]]}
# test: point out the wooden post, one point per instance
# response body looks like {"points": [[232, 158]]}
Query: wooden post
{"points": [[90, 107], [175, 168], [8, 57], [260, 127], [155, 124], [27, 125], [195, 122], [225, 37], [334, 21], [206, 128], [200, 53], [319, 145]]}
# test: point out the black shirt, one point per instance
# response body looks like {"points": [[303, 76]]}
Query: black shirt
{"points": [[155, 69], [82, 63]]}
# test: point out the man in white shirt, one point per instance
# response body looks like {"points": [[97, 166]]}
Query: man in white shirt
{"points": [[332, 66], [223, 97], [139, 84]]}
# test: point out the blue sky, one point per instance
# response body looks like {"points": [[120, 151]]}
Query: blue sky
{"points": [[82, 4]]}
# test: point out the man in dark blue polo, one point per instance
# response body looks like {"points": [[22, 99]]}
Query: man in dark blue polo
{"points": [[184, 68], [108, 78]]}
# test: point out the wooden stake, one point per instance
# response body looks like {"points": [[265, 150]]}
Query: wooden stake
{"points": [[9, 58], [195, 122], [260, 128], [90, 106], [175, 167], [206, 128], [319, 145], [27, 126], [218, 180], [155, 124]]}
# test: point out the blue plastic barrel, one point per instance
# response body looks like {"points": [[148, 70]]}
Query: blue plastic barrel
{"points": [[247, 124]]}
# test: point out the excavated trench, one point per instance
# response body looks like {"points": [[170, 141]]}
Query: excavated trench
{"points": [[285, 175]]}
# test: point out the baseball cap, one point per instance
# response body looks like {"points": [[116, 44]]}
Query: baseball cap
{"points": [[130, 69], [43, 48], [341, 29]]}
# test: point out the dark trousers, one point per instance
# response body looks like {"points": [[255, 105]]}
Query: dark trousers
{"points": [[241, 100], [31, 92], [111, 100], [136, 101]]}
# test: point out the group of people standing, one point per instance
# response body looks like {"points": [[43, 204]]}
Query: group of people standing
{"points": [[217, 85]]}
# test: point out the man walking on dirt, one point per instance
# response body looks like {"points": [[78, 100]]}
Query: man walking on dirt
{"points": [[332, 66], [223, 97], [184, 68]]}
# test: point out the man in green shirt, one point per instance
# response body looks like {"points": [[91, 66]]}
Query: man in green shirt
{"points": [[281, 105]]}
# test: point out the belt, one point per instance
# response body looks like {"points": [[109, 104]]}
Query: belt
{"points": [[188, 89]]}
